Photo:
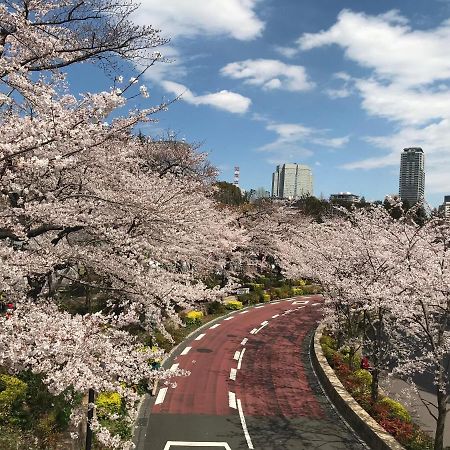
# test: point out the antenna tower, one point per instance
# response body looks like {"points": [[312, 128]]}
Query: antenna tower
{"points": [[236, 176]]}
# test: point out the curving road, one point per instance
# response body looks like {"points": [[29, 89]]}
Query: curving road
{"points": [[251, 387]]}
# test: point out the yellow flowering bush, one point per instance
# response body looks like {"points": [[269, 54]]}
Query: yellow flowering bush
{"points": [[193, 317], [108, 403], [233, 305], [266, 297]]}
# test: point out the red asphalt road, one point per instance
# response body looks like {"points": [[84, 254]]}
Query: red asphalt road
{"points": [[271, 380]]}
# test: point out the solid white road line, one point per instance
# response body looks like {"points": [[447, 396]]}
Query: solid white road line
{"points": [[200, 336], [244, 425], [233, 373], [161, 395], [236, 355], [232, 400], [262, 306], [244, 341], [174, 367], [185, 351], [240, 359], [214, 326], [229, 318], [170, 444]]}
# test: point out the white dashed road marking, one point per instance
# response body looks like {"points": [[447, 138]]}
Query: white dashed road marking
{"points": [[233, 373], [229, 318], [260, 328], [214, 326], [185, 351], [161, 395], [244, 312], [200, 336], [275, 316], [174, 367], [240, 359], [232, 400], [253, 331], [236, 355], [244, 341]]}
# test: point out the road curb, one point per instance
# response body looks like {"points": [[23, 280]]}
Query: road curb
{"points": [[362, 423]]}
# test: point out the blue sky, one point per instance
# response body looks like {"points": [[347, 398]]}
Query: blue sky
{"points": [[342, 86]]}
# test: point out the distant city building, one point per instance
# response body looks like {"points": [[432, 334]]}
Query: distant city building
{"points": [[292, 181], [412, 175], [446, 206], [347, 197]]}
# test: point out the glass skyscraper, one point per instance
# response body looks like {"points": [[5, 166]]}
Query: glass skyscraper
{"points": [[292, 181]]}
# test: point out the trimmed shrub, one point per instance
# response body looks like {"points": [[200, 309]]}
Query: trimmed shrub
{"points": [[297, 291], [233, 305], [354, 363], [255, 286], [281, 292], [108, 403], [12, 393], [249, 299], [265, 297], [216, 308], [300, 283], [329, 353], [364, 378], [328, 341], [193, 318], [397, 410]]}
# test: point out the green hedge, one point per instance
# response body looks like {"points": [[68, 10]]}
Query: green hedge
{"points": [[12, 394]]}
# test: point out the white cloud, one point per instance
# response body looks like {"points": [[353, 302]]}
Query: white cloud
{"points": [[225, 100], [409, 106], [190, 18], [331, 142], [289, 131], [287, 52], [293, 141], [270, 74], [389, 46]]}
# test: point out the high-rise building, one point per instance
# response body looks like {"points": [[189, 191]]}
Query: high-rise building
{"points": [[292, 181], [412, 175], [446, 206]]}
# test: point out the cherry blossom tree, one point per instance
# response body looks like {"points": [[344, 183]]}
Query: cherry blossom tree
{"points": [[84, 201]]}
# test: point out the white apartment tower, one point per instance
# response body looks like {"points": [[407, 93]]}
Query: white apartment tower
{"points": [[292, 181], [412, 175]]}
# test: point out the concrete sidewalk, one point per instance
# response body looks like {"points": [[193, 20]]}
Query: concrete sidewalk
{"points": [[402, 391]]}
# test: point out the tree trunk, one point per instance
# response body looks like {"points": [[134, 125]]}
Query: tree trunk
{"points": [[90, 416], [374, 386], [442, 399]]}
